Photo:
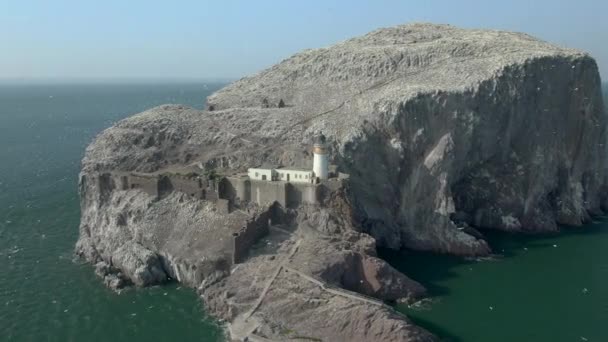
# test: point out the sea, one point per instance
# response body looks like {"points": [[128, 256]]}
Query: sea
{"points": [[540, 288]]}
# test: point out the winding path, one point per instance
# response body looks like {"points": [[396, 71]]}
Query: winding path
{"points": [[272, 279], [245, 325], [337, 291]]}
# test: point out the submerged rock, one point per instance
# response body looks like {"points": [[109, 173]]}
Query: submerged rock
{"points": [[440, 129]]}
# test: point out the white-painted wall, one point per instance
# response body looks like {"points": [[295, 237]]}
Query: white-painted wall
{"points": [[320, 165], [286, 175], [258, 174], [295, 176]]}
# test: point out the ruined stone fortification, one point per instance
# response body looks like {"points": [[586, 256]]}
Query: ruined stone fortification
{"points": [[221, 195], [442, 130]]}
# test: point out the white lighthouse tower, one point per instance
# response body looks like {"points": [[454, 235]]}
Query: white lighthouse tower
{"points": [[320, 164]]}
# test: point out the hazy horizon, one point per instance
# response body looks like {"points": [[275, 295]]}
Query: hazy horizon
{"points": [[110, 80], [70, 41]]}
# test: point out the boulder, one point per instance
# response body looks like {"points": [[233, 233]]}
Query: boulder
{"points": [[142, 266]]}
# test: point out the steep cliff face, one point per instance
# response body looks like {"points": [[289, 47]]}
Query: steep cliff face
{"points": [[605, 88], [503, 129], [441, 130]]}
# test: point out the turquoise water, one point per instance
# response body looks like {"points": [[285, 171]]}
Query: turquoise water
{"points": [[537, 292], [551, 288], [44, 295]]}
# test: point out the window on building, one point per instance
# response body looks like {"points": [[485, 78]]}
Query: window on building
{"points": [[257, 174]]}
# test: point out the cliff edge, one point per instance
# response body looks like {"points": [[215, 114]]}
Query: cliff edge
{"points": [[441, 131]]}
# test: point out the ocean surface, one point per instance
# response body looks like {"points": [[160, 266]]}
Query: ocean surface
{"points": [[44, 294], [552, 288]]}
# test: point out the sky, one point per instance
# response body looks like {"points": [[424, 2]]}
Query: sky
{"points": [[228, 39]]}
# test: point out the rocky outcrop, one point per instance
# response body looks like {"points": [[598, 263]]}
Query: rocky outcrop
{"points": [[430, 120], [442, 130], [143, 267]]}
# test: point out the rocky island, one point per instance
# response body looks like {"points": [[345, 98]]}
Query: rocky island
{"points": [[433, 133]]}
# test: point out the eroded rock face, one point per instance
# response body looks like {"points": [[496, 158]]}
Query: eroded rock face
{"points": [[433, 119], [143, 266], [440, 129]]}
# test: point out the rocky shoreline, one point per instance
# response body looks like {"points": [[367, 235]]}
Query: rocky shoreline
{"points": [[442, 130]]}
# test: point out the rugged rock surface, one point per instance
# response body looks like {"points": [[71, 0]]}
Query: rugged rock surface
{"points": [[440, 129], [142, 266], [430, 120]]}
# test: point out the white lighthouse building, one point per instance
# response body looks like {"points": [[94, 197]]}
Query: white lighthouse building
{"points": [[320, 164], [320, 167]]}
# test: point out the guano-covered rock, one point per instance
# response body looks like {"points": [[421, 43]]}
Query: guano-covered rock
{"points": [[442, 131]]}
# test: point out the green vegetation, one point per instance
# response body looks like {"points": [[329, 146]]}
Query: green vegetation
{"points": [[286, 331], [192, 174], [211, 174]]}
